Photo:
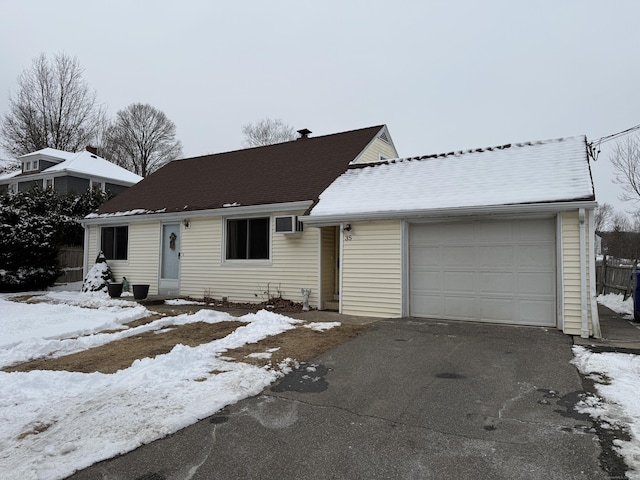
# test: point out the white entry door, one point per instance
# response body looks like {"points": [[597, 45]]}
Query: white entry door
{"points": [[491, 271], [170, 260]]}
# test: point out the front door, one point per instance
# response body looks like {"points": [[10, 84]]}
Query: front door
{"points": [[170, 260]]}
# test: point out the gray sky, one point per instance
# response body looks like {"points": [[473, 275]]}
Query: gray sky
{"points": [[443, 75]]}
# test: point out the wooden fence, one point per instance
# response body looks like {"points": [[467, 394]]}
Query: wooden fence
{"points": [[70, 259], [611, 277]]}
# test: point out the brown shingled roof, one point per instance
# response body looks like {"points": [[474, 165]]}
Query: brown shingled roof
{"points": [[286, 172]]}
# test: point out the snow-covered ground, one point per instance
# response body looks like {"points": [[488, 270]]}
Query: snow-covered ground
{"points": [[617, 380], [53, 423]]}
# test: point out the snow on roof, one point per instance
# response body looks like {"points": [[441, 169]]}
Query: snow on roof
{"points": [[90, 164], [50, 152], [533, 172]]}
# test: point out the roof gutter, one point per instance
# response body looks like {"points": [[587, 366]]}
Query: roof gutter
{"points": [[440, 213], [151, 216]]}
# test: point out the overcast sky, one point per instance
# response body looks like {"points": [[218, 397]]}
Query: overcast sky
{"points": [[443, 75]]}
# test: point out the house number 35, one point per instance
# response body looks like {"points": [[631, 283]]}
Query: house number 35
{"points": [[348, 238]]}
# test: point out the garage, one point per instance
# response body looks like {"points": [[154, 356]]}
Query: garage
{"points": [[501, 271]]}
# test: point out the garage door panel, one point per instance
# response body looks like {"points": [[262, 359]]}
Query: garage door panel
{"points": [[536, 312], [431, 306], [459, 307], [491, 232], [497, 309], [536, 229], [536, 256], [455, 256], [422, 281], [535, 284], [495, 282], [426, 256], [461, 282], [497, 271], [495, 255]]}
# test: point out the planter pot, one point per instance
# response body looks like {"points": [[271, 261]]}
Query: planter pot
{"points": [[114, 289], [140, 292]]}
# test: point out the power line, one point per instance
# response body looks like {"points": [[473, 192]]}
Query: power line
{"points": [[594, 146]]}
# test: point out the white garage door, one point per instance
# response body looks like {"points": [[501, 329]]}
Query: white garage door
{"points": [[492, 271]]}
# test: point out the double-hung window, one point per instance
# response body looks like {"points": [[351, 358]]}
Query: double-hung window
{"points": [[114, 242], [247, 238]]}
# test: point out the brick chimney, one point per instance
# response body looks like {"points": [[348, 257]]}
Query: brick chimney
{"points": [[93, 150]]}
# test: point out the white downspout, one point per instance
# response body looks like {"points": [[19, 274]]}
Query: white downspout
{"points": [[85, 259], [584, 331], [341, 268], [595, 319]]}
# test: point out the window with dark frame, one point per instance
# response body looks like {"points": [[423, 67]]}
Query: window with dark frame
{"points": [[114, 242], [248, 239]]}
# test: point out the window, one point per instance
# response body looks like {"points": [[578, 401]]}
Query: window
{"points": [[48, 183], [30, 166], [248, 239], [96, 185], [114, 242]]}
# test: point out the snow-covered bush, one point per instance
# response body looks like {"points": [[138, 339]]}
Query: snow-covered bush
{"points": [[28, 252], [33, 225], [98, 277]]}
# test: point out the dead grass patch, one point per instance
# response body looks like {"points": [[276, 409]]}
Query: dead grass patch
{"points": [[121, 354], [301, 344]]}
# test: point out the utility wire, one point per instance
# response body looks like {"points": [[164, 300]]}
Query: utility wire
{"points": [[594, 146]]}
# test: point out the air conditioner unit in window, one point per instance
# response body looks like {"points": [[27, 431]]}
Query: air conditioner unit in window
{"points": [[288, 224]]}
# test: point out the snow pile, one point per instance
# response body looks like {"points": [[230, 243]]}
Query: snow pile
{"points": [[616, 377], [53, 423], [618, 304]]}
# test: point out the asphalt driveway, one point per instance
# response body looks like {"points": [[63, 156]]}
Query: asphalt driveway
{"points": [[408, 399]]}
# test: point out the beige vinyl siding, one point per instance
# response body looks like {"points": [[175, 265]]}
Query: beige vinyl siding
{"points": [[374, 150], [143, 254], [203, 271], [571, 287], [372, 270], [92, 246]]}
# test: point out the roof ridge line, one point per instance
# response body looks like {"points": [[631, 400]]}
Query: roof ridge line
{"points": [[458, 153]]}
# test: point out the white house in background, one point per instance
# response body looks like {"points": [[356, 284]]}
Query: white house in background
{"points": [[67, 172], [500, 234]]}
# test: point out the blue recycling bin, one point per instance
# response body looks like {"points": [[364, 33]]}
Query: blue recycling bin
{"points": [[635, 275]]}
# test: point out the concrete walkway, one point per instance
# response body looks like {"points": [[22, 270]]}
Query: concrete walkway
{"points": [[408, 399], [618, 334]]}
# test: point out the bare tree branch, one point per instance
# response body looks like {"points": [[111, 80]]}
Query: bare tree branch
{"points": [[267, 132], [141, 139], [603, 217], [626, 164], [52, 108]]}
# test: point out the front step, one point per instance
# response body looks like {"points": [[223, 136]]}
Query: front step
{"points": [[331, 305]]}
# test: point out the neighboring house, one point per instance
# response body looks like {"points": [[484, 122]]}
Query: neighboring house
{"points": [[499, 234], [624, 245], [67, 172]]}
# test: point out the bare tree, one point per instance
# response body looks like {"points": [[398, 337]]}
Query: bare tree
{"points": [[620, 222], [603, 215], [626, 164], [141, 139], [267, 132], [52, 108]]}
